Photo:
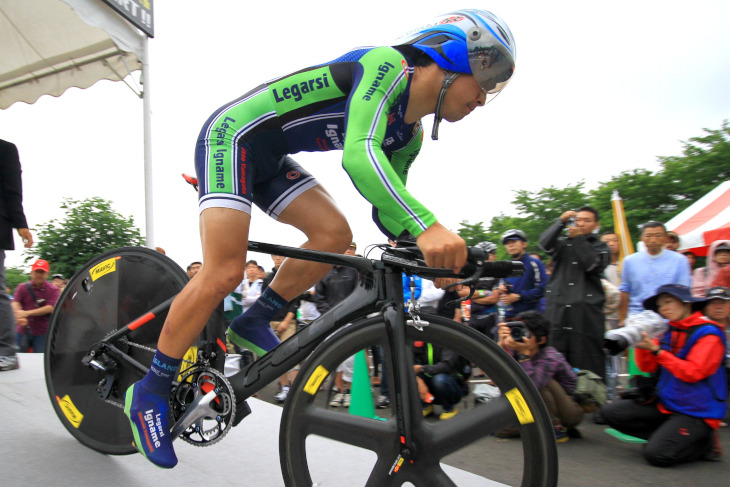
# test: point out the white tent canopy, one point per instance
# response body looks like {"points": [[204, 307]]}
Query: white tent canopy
{"points": [[706, 220], [49, 46]]}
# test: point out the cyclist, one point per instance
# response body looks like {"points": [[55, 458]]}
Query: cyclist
{"points": [[367, 103]]}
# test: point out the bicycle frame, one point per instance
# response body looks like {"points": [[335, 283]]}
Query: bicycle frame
{"points": [[379, 290]]}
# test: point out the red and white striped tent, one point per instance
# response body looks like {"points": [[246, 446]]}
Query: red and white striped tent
{"points": [[707, 220]]}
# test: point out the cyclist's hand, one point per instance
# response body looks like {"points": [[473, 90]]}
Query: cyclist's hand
{"points": [[444, 282], [442, 248]]}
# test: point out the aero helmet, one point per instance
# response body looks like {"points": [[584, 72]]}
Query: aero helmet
{"points": [[467, 41]]}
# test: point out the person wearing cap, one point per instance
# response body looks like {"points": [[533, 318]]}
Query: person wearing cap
{"points": [[719, 273], [718, 310], [691, 392], [522, 293], [11, 217], [718, 258], [59, 281], [575, 295], [33, 304]]}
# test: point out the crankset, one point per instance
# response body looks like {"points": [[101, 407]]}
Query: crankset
{"points": [[203, 406]]}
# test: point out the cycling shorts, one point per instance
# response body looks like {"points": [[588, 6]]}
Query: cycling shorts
{"points": [[239, 159]]}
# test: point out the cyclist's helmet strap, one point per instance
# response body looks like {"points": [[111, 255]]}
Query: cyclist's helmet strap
{"points": [[449, 78]]}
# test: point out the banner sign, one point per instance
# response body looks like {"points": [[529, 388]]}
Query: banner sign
{"points": [[138, 12]]}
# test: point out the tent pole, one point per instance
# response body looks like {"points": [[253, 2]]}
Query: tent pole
{"points": [[149, 210]]}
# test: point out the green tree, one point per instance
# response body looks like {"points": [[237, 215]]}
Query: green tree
{"points": [[472, 233], [644, 198], [90, 227], [704, 163], [15, 276]]}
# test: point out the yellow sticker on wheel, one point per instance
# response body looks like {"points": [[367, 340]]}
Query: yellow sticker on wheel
{"points": [[71, 412], [315, 380], [106, 267], [520, 406]]}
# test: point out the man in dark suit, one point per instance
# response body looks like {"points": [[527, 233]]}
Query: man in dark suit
{"points": [[11, 216]]}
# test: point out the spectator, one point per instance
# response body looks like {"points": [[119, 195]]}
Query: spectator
{"points": [[718, 258], [11, 216], [691, 257], [718, 310], [521, 293], [611, 270], [339, 283], [645, 271], [672, 241], [575, 296], [193, 269], [549, 371], [691, 392], [33, 305], [59, 281], [717, 263], [484, 311], [441, 375]]}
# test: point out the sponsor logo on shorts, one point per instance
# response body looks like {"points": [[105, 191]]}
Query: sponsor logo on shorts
{"points": [[334, 136]]}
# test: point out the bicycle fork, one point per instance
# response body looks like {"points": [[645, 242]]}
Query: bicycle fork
{"points": [[403, 377]]}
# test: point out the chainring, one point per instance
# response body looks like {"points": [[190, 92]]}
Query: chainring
{"points": [[195, 382]]}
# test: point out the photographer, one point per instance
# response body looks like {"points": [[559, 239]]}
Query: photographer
{"points": [[33, 304], [526, 340], [441, 375], [691, 393], [575, 295]]}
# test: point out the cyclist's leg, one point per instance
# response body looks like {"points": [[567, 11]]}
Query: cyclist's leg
{"points": [[315, 213], [291, 196], [224, 234]]}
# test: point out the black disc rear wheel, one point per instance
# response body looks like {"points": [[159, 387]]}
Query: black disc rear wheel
{"points": [[108, 293]]}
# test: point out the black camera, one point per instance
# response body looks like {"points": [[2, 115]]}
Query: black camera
{"points": [[40, 302], [518, 330]]}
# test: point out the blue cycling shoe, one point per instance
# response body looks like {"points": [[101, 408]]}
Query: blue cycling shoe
{"points": [[257, 337], [148, 415]]}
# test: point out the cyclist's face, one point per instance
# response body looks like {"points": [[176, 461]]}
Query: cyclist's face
{"points": [[462, 98]]}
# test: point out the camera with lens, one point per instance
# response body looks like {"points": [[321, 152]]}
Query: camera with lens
{"points": [[518, 330], [618, 340], [40, 302]]}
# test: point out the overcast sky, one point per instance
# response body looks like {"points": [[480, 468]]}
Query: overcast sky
{"points": [[600, 88]]}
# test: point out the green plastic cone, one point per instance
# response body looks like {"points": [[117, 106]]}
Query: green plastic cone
{"points": [[361, 397]]}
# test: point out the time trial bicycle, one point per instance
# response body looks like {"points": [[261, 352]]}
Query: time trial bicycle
{"points": [[103, 335]]}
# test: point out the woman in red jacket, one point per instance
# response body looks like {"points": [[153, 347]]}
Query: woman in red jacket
{"points": [[691, 392]]}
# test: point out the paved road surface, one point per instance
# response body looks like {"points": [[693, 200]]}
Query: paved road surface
{"points": [[37, 451]]}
